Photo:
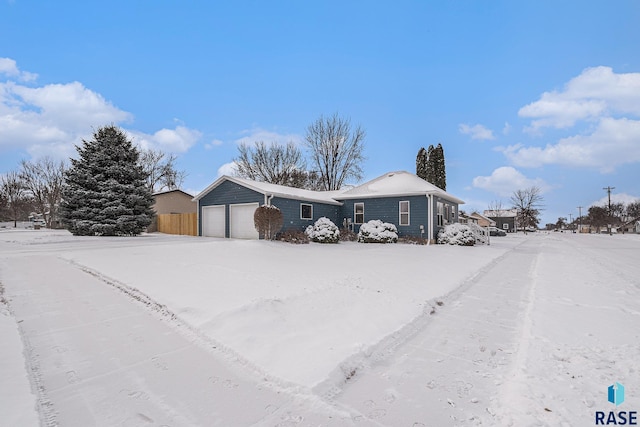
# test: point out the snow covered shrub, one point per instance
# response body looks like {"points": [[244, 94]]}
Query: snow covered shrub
{"points": [[480, 233], [293, 236], [268, 221], [323, 231], [456, 234], [376, 231]]}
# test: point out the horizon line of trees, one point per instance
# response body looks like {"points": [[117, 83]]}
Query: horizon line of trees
{"points": [[35, 189]]}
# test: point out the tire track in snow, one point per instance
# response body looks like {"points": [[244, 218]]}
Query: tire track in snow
{"points": [[353, 367], [447, 371]]}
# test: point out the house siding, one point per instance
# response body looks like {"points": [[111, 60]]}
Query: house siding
{"points": [[227, 193], [290, 209], [501, 220], [387, 209]]}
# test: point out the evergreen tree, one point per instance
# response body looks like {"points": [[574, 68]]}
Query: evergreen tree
{"points": [[105, 192], [440, 174], [430, 168], [421, 163]]}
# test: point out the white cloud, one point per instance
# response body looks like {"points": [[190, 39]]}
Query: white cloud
{"points": [[254, 135], [616, 198], [213, 143], [52, 119], [506, 129], [614, 142], [176, 140], [505, 180], [596, 92], [227, 169], [9, 68], [476, 131]]}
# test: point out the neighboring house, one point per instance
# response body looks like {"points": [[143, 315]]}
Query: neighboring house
{"points": [[632, 226], [466, 219], [505, 219], [482, 220], [416, 207], [171, 202]]}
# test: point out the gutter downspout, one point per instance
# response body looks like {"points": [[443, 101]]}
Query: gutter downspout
{"points": [[267, 199], [199, 229], [430, 219]]}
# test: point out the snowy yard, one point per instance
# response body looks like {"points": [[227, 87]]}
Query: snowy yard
{"points": [[528, 331]]}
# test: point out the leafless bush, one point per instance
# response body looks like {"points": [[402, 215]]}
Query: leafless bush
{"points": [[268, 221]]}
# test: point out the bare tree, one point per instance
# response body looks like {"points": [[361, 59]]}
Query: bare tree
{"points": [[598, 217], [528, 204], [161, 170], [14, 195], [495, 208], [633, 209], [336, 150], [43, 180], [273, 163]]}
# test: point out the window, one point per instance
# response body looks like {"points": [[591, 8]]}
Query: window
{"points": [[358, 213], [306, 211], [404, 213], [440, 214]]}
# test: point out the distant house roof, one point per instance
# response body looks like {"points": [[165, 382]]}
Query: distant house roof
{"points": [[501, 213], [400, 183], [480, 216], [276, 190], [171, 191]]}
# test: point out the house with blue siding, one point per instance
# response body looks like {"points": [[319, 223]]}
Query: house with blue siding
{"points": [[415, 206]]}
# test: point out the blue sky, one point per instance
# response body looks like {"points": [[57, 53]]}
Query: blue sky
{"points": [[518, 93]]}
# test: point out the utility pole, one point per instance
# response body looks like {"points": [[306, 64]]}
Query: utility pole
{"points": [[609, 195], [570, 222], [609, 188], [580, 213]]}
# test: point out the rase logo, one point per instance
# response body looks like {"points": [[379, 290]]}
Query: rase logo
{"points": [[615, 395]]}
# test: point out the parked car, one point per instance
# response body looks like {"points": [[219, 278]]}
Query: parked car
{"points": [[493, 231]]}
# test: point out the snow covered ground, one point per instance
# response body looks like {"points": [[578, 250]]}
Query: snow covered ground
{"points": [[197, 331]]}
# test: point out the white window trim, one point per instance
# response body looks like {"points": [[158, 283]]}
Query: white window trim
{"points": [[354, 213], [408, 213], [311, 206]]}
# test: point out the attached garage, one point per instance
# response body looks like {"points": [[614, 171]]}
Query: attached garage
{"points": [[213, 221], [227, 206], [241, 225]]}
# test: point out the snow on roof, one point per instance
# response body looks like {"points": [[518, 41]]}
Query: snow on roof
{"points": [[504, 213], [391, 184], [276, 190], [399, 183]]}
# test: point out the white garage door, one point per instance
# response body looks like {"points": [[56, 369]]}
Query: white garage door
{"points": [[213, 224], [241, 224]]}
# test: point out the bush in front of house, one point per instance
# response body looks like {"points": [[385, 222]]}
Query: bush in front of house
{"points": [[456, 234], [293, 236], [348, 235], [376, 231], [323, 231], [268, 221]]}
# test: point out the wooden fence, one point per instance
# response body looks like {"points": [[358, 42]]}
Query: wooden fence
{"points": [[184, 224]]}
